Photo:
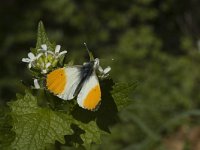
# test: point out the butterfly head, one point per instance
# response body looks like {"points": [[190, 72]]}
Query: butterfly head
{"points": [[95, 64]]}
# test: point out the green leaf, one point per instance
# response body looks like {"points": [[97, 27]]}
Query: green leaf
{"points": [[92, 134], [6, 135], [36, 127], [42, 37], [85, 133], [121, 93]]}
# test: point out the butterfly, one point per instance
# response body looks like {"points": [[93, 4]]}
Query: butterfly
{"points": [[80, 81]]}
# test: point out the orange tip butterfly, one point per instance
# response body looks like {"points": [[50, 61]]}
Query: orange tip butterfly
{"points": [[78, 81]]}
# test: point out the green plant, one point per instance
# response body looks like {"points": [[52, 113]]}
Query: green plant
{"points": [[37, 119]]}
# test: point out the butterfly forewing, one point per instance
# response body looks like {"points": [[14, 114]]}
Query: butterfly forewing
{"points": [[64, 81]]}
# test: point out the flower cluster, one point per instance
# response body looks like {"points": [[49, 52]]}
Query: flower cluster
{"points": [[103, 73], [44, 60]]}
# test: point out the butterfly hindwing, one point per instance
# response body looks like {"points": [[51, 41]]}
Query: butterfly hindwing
{"points": [[90, 93]]}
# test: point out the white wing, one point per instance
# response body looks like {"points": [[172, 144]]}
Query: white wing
{"points": [[64, 81], [74, 78], [90, 94]]}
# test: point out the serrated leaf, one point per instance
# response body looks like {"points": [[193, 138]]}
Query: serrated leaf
{"points": [[92, 133], [42, 37], [121, 92], [85, 133], [36, 127]]}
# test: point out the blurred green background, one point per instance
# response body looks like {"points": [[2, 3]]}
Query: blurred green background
{"points": [[153, 42]]}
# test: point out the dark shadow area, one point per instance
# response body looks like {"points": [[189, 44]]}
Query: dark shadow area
{"points": [[74, 138], [106, 115]]}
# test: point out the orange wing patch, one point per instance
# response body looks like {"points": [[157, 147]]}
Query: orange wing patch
{"points": [[56, 81], [93, 98]]}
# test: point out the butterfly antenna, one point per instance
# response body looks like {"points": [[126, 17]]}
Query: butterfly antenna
{"points": [[89, 53], [87, 48]]}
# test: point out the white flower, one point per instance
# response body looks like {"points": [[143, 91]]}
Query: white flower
{"points": [[57, 51], [36, 84], [31, 58], [103, 72], [48, 59], [106, 70], [44, 49], [45, 70]]}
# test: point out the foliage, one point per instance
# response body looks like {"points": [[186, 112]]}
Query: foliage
{"points": [[121, 94], [154, 42], [34, 126], [38, 122], [6, 135]]}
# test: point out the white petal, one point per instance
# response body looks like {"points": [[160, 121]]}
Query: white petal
{"points": [[48, 65], [31, 56], [36, 84], [44, 71], [29, 65], [100, 69], [39, 55], [44, 47], [105, 76], [57, 49], [107, 70], [50, 52], [62, 53], [25, 60]]}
